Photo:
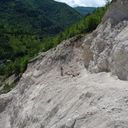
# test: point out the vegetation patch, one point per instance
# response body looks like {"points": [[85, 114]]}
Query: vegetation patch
{"points": [[7, 88]]}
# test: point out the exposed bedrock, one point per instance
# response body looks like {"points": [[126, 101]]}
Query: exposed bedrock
{"points": [[106, 48]]}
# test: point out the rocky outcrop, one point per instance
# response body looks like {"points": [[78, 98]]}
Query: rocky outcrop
{"points": [[56, 91], [44, 98], [106, 49], [37, 100]]}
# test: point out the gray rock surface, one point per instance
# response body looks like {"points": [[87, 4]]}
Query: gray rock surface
{"points": [[106, 49], [44, 98]]}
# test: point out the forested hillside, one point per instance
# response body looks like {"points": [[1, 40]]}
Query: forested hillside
{"points": [[85, 10], [45, 17], [16, 48], [16, 43]]}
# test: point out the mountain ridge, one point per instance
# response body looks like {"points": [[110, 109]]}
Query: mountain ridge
{"points": [[38, 16], [85, 10]]}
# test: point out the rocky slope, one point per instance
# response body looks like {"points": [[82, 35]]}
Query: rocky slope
{"points": [[106, 49], [48, 97], [76, 99]]}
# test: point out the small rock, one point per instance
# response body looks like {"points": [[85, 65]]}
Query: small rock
{"points": [[70, 123]]}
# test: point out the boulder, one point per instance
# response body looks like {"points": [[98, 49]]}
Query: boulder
{"points": [[106, 48]]}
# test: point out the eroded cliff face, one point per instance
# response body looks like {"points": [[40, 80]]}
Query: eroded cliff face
{"points": [[47, 98], [56, 91], [42, 94], [106, 49]]}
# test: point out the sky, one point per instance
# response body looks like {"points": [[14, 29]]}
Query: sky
{"points": [[86, 3]]}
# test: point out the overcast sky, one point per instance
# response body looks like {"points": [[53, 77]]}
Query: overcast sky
{"points": [[91, 3]]}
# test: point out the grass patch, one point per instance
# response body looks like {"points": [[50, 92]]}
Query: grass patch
{"points": [[7, 88]]}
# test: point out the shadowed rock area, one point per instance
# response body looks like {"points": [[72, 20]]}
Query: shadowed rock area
{"points": [[56, 90], [106, 49]]}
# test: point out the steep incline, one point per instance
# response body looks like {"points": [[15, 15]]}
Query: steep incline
{"points": [[76, 99], [48, 97], [106, 49]]}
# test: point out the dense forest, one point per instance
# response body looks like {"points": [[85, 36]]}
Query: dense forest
{"points": [[17, 46], [45, 17], [85, 10]]}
